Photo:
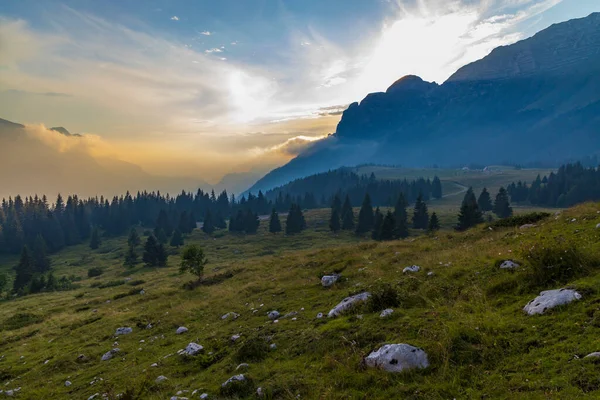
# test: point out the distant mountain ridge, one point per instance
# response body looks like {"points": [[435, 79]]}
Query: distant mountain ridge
{"points": [[535, 100]]}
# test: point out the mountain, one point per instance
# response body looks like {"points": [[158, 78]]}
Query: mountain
{"points": [[537, 100], [64, 131]]}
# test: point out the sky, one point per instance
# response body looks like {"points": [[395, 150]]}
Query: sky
{"points": [[203, 88]]}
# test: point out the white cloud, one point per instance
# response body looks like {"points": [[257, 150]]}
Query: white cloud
{"points": [[206, 33], [213, 50], [174, 18]]}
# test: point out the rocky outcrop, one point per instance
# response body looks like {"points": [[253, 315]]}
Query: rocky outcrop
{"points": [[397, 358], [549, 299], [348, 303]]}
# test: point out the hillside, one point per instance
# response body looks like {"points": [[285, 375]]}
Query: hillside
{"points": [[460, 308], [537, 100]]}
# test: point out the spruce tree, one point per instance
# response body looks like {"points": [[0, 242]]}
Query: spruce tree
{"points": [[420, 214], [163, 222], [502, 206], [295, 222], [208, 226], [347, 215], [366, 219], [434, 223], [161, 256], [150, 256], [95, 239], [401, 217], [377, 224], [334, 221], [336, 204], [251, 222], [51, 284], [388, 227], [131, 258], [470, 214], [24, 271], [40, 258], [436, 188], [274, 222], [484, 201], [176, 239], [134, 238], [161, 236]]}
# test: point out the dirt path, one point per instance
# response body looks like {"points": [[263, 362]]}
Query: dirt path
{"points": [[462, 187]]}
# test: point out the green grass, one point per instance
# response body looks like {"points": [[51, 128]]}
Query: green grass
{"points": [[467, 316]]}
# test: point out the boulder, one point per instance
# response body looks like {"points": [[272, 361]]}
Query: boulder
{"points": [[397, 358], [509, 264], [549, 299], [192, 349], [235, 378], [273, 315], [329, 280], [386, 313], [412, 268], [109, 354], [123, 331], [161, 379], [595, 354], [348, 303], [181, 329]]}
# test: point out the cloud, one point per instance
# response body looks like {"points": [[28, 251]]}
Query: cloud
{"points": [[213, 50], [206, 33], [174, 18]]}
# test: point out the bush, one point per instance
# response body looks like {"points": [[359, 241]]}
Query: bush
{"points": [[20, 320], [110, 284], [136, 282], [253, 350], [239, 389], [519, 220], [95, 271], [382, 297]]}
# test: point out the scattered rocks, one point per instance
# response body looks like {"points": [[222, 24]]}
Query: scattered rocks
{"points": [[549, 299], [386, 313], [67, 383], [329, 280], [192, 349], [161, 379], [397, 358], [181, 329], [242, 366], [509, 264], [273, 315], [123, 331], [412, 268], [108, 355], [348, 303], [233, 379], [231, 315]]}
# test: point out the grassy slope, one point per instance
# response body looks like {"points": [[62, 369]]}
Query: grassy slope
{"points": [[467, 317]]}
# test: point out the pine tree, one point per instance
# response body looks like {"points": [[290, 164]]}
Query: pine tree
{"points": [[161, 236], [470, 214], [366, 219], [420, 215], [208, 226], [40, 258], [24, 271], [251, 222], [163, 222], [150, 256], [161, 256], [295, 222], [274, 222], [176, 239], [131, 258], [336, 204], [502, 206], [334, 221], [347, 215], [378, 223], [434, 223], [484, 201], [51, 284], [401, 217], [134, 238], [95, 239], [388, 227], [436, 188]]}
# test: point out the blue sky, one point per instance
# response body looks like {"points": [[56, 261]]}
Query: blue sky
{"points": [[238, 81]]}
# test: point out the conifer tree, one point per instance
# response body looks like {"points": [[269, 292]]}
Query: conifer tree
{"points": [[3, 282], [484, 201], [336, 205], [347, 215], [251, 222], [377, 224], [274, 222], [436, 188], [51, 283], [434, 223], [40, 258], [24, 271], [388, 227], [131, 258], [401, 217], [161, 236], [95, 239], [150, 256], [366, 218], [295, 222], [134, 238], [163, 222], [334, 221], [502, 206], [208, 226], [420, 215], [470, 214], [176, 239], [161, 255]]}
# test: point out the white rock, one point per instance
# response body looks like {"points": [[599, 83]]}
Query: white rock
{"points": [[528, 226], [161, 379], [509, 264], [397, 358], [329, 280], [598, 226], [294, 319], [192, 349], [108, 355], [348, 303], [181, 329], [235, 378], [142, 291], [386, 313], [68, 383], [235, 338], [154, 365], [259, 392], [290, 314], [412, 268], [92, 397], [273, 346], [430, 273], [204, 396], [595, 354], [123, 331], [9, 393], [230, 315], [549, 299], [242, 366], [273, 314], [320, 315]]}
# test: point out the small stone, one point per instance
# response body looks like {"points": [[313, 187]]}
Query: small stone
{"points": [[595, 354], [329, 280], [412, 268], [273, 315], [142, 291], [348, 303], [235, 338], [242, 366], [181, 329], [161, 379], [235, 378], [386, 313], [294, 319], [92, 397], [430, 273], [598, 226], [108, 355], [68, 383], [204, 396], [509, 264], [528, 226], [259, 392], [320, 315], [123, 331], [273, 346], [230, 315], [192, 349], [154, 365]]}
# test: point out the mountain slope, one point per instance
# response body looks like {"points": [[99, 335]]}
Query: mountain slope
{"points": [[535, 100]]}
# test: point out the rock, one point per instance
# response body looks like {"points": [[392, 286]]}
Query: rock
{"points": [[154, 365], [142, 291], [348, 303], [192, 349], [397, 358], [320, 315], [161, 379], [528, 226], [181, 329], [412, 268], [273, 315], [386, 313], [509, 264], [235, 338], [260, 392], [108, 355], [549, 299], [68, 383], [123, 331], [595, 354], [204, 396], [273, 346], [242, 366], [92, 397], [231, 315], [430, 273], [9, 393], [235, 378], [329, 280], [598, 226]]}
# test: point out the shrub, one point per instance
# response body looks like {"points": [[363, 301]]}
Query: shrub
{"points": [[95, 271], [518, 220], [252, 350], [238, 389], [110, 284], [20, 320], [382, 297], [136, 282]]}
